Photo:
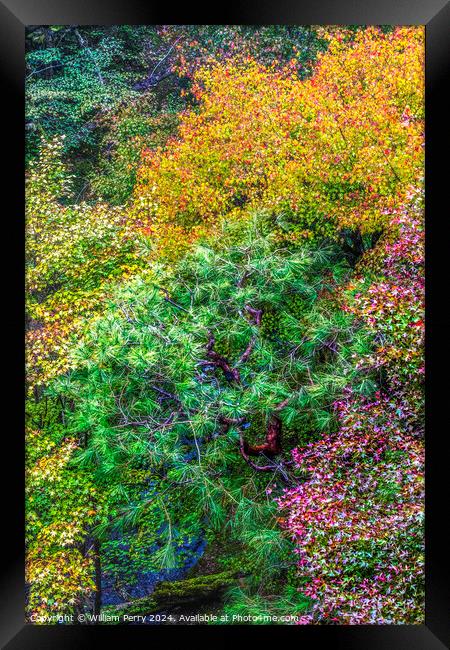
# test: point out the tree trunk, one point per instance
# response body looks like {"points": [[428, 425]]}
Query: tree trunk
{"points": [[272, 446], [98, 578]]}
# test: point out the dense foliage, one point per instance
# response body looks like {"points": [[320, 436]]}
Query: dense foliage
{"points": [[213, 367], [225, 321], [74, 252], [364, 546], [104, 88], [332, 152]]}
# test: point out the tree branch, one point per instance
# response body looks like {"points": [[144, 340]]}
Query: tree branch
{"points": [[244, 454], [272, 445], [232, 374], [255, 313], [245, 355], [165, 393], [169, 299], [89, 51]]}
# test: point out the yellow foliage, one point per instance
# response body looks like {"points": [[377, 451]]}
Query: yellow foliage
{"points": [[334, 151]]}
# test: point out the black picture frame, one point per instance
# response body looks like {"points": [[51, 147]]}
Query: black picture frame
{"points": [[435, 15]]}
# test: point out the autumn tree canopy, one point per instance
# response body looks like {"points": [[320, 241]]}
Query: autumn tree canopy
{"points": [[225, 322]]}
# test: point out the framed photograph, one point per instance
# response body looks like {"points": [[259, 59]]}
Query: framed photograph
{"points": [[229, 239]]}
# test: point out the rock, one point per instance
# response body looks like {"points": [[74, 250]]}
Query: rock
{"points": [[167, 595]]}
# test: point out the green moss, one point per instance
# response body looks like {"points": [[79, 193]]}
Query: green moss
{"points": [[169, 594]]}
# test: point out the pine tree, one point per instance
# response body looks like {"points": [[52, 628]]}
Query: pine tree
{"points": [[190, 391]]}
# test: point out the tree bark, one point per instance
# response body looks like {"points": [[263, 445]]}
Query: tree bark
{"points": [[98, 578], [272, 445]]}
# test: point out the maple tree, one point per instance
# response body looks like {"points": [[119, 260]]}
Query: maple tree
{"points": [[61, 507], [75, 252], [334, 151], [358, 518]]}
